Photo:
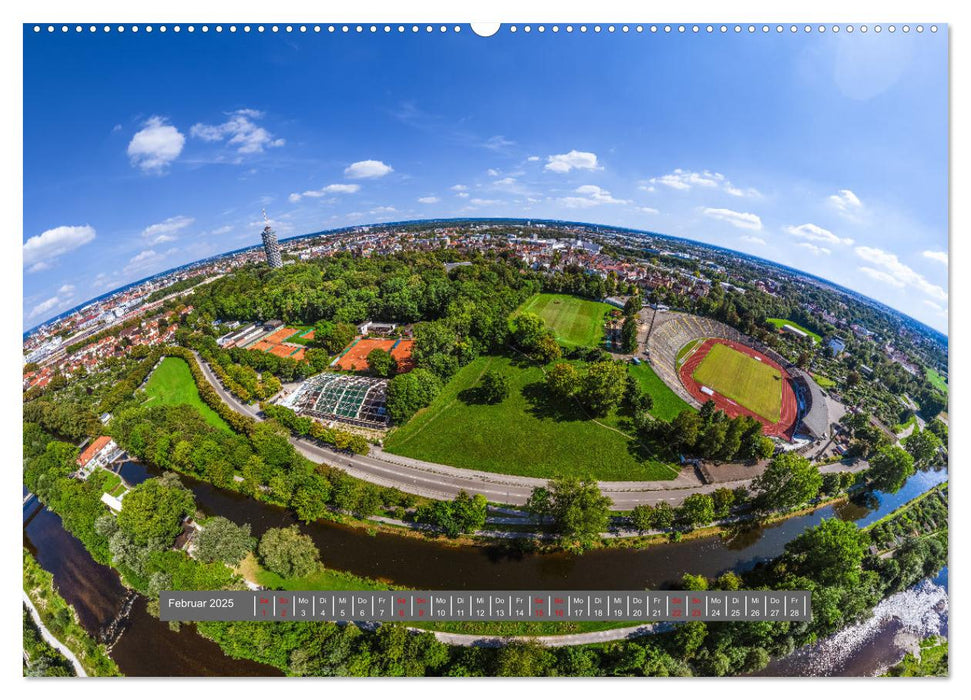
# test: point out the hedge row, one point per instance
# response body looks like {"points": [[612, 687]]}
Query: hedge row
{"points": [[307, 427]]}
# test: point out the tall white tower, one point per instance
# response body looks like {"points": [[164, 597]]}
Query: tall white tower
{"points": [[270, 244]]}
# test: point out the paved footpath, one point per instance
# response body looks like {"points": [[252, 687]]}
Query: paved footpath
{"points": [[443, 482], [52, 640]]}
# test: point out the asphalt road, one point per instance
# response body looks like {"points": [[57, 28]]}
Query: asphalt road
{"points": [[443, 482]]}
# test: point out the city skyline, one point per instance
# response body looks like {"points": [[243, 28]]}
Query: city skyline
{"points": [[834, 163]]}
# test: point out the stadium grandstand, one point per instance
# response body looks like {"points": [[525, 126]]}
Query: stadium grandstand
{"points": [[672, 333], [347, 398]]}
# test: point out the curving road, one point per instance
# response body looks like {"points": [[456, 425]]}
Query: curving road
{"points": [[440, 481]]}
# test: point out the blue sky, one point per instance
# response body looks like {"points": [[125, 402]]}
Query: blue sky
{"points": [[145, 151]]}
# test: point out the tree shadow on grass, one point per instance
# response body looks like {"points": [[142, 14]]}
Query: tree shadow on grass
{"points": [[543, 406], [473, 396]]}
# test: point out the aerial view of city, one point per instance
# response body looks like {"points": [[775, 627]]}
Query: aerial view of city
{"points": [[532, 319]]}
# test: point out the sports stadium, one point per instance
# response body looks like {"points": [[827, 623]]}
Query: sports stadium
{"points": [[701, 359]]}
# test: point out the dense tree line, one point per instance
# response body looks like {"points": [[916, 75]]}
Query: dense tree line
{"points": [[173, 288], [305, 426], [262, 464], [463, 514], [710, 434], [929, 514]]}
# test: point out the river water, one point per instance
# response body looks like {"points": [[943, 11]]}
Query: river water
{"points": [[148, 647], [897, 625]]}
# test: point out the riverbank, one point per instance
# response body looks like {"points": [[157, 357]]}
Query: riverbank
{"points": [[60, 625]]}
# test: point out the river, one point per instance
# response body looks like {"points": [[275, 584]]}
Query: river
{"points": [[146, 646], [149, 647], [897, 625]]}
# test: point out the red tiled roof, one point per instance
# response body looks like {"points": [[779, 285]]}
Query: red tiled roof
{"points": [[94, 448]]}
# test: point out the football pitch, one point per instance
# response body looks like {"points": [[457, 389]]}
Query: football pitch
{"points": [[574, 321], [753, 384]]}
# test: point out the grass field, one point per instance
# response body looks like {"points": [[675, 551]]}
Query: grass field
{"points": [[171, 384], [297, 338], [112, 482], [667, 404], [756, 386], [574, 321], [780, 322], [824, 381], [523, 434], [935, 378]]}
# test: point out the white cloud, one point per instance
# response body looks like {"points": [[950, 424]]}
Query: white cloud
{"points": [[936, 255], [574, 160], [220, 231], [428, 200], [459, 188], [380, 211], [755, 240], [45, 306], [463, 195], [647, 210], [492, 172], [367, 169], [146, 261], [533, 159], [239, 131], [478, 202], [687, 179], [339, 188], [812, 232], [506, 181], [42, 249], [155, 146], [845, 201], [66, 289], [590, 196], [498, 143], [162, 231], [901, 274], [815, 249], [735, 218], [881, 276]]}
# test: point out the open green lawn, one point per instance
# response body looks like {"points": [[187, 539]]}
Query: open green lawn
{"points": [[824, 381], [935, 378], [298, 337], [780, 322], [524, 434], [667, 404], [112, 482], [574, 321], [756, 386], [171, 384]]}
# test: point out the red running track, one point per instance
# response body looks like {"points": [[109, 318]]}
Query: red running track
{"points": [[786, 426]]}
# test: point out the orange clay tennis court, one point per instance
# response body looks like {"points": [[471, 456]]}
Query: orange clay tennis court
{"points": [[355, 357], [274, 345]]}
